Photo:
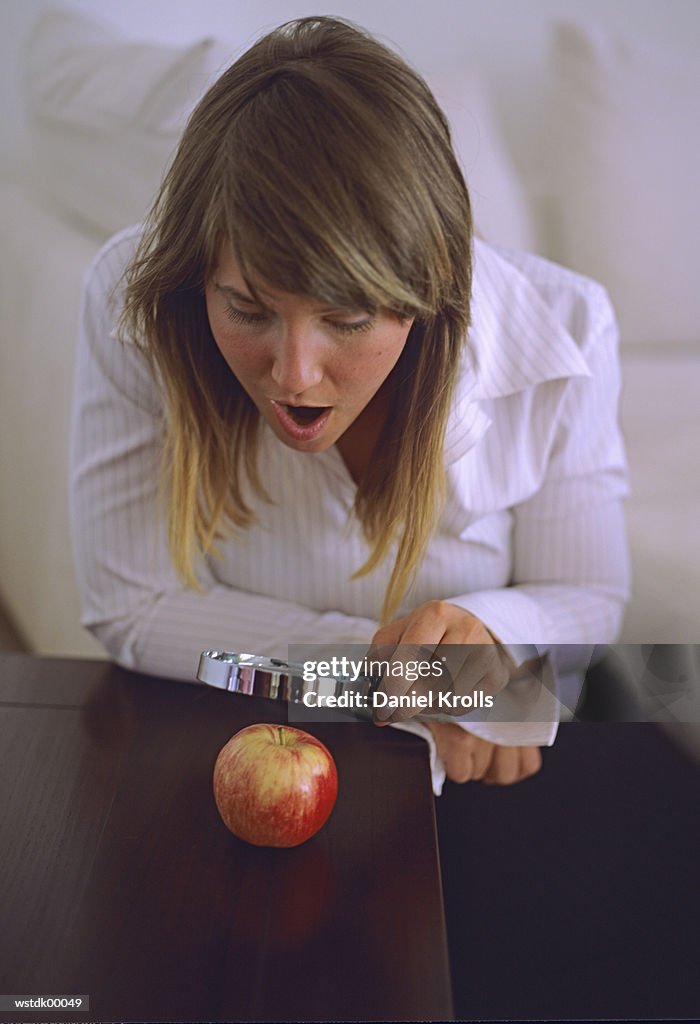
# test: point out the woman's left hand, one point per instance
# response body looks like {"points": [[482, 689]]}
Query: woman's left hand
{"points": [[468, 758], [438, 631]]}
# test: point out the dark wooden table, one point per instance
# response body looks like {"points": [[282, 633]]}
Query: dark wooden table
{"points": [[573, 896], [119, 881]]}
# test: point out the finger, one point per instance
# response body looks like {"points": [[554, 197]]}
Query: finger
{"points": [[404, 686], [460, 768], [396, 700], [390, 634], [473, 667], [504, 769], [530, 761], [456, 749], [426, 629], [496, 677], [483, 755]]}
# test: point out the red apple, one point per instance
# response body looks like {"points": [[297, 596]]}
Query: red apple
{"points": [[274, 785]]}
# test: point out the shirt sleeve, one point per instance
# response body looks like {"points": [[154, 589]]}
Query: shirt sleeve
{"points": [[571, 571], [133, 601]]}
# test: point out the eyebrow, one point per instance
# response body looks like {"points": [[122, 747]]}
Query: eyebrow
{"points": [[235, 294]]}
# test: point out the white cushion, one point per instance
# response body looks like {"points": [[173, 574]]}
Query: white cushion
{"points": [[660, 419], [626, 166], [499, 204], [106, 113], [42, 263]]}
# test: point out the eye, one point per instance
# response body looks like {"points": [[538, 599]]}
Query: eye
{"points": [[352, 328], [237, 316]]}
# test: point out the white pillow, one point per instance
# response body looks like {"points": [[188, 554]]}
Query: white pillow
{"points": [[106, 114], [626, 168], [500, 208]]}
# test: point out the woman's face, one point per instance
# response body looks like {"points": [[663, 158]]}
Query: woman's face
{"points": [[311, 369]]}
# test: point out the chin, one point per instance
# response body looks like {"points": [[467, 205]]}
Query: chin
{"points": [[316, 446]]}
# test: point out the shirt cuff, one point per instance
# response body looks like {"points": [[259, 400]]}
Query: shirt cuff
{"points": [[529, 706], [437, 767], [514, 618]]}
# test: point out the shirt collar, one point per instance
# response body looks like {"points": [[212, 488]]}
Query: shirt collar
{"points": [[516, 339], [514, 343]]}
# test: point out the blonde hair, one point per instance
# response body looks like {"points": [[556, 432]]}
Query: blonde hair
{"points": [[325, 162]]}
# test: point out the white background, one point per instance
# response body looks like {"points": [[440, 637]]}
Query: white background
{"points": [[509, 39]]}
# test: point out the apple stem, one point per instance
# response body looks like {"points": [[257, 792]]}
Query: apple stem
{"points": [[280, 736]]}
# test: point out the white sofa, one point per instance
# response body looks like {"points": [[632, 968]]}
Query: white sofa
{"points": [[619, 202]]}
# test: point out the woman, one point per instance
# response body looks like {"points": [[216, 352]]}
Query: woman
{"points": [[311, 408]]}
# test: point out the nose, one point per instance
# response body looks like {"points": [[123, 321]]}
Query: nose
{"points": [[296, 362]]}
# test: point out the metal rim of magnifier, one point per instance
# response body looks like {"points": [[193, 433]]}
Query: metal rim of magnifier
{"points": [[259, 676], [252, 674]]}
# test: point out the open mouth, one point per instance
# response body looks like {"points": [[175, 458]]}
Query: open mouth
{"points": [[302, 422], [304, 415]]}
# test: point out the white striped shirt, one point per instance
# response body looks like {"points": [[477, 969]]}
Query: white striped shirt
{"points": [[532, 539]]}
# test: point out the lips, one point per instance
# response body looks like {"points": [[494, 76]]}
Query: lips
{"points": [[302, 422]]}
